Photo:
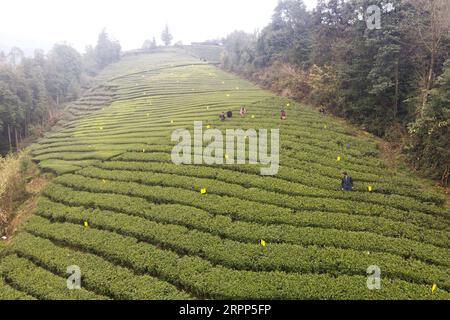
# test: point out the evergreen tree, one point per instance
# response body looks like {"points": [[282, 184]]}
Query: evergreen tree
{"points": [[107, 51], [166, 36]]}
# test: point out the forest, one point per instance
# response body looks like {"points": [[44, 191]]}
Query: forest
{"points": [[34, 90], [393, 81]]}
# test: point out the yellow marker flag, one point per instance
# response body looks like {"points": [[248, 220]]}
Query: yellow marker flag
{"points": [[86, 224], [339, 158], [370, 188], [203, 191], [434, 288], [263, 243]]}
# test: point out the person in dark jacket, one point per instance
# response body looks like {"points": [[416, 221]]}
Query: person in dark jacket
{"points": [[222, 116], [230, 114], [347, 182]]}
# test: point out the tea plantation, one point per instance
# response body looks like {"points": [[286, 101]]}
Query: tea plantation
{"points": [[139, 227]]}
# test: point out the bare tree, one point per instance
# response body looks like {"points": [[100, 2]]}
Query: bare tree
{"points": [[432, 24]]}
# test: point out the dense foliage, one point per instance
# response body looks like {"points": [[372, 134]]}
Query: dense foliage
{"points": [[381, 79], [33, 89]]}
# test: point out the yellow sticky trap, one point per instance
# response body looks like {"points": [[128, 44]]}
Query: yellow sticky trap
{"points": [[370, 188], [143, 150], [325, 127], [148, 114], [101, 128], [237, 88], [171, 121], [208, 127], [207, 108], [434, 288], [253, 116], [228, 95], [263, 243], [203, 191], [288, 105], [223, 82], [86, 224], [104, 181], [226, 156], [339, 158]]}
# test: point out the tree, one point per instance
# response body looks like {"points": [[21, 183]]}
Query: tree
{"points": [[90, 61], [166, 36], [430, 146], [431, 25], [107, 51], [3, 59], [149, 44], [64, 67], [15, 56], [240, 51]]}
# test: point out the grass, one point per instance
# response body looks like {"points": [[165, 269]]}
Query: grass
{"points": [[153, 235]]}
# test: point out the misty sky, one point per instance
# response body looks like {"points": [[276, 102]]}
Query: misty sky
{"points": [[31, 24]]}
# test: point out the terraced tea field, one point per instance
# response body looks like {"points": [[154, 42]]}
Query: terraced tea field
{"points": [[139, 227]]}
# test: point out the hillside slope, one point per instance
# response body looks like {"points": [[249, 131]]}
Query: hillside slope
{"points": [[138, 226]]}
